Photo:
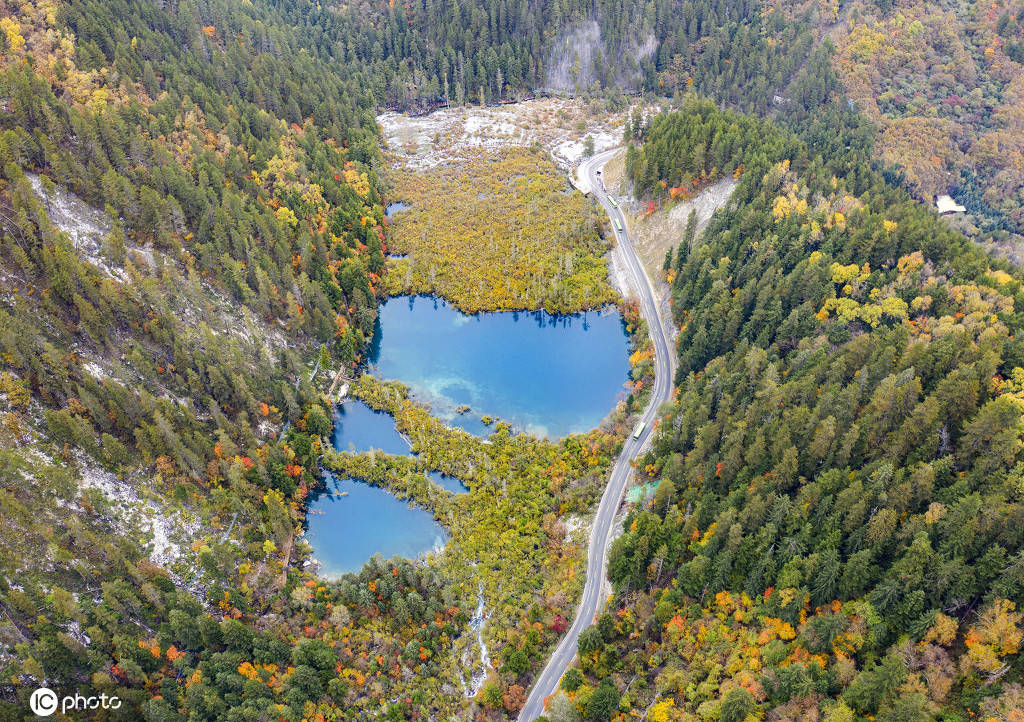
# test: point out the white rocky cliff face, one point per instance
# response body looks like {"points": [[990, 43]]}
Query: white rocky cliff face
{"points": [[581, 57]]}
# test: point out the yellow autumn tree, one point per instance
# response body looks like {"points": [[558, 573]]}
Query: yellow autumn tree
{"points": [[995, 635]]}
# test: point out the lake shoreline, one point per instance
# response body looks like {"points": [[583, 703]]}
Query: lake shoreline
{"points": [[557, 345]]}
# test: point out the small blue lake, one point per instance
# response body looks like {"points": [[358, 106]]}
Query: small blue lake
{"points": [[546, 374], [451, 483], [396, 207], [351, 521], [358, 429]]}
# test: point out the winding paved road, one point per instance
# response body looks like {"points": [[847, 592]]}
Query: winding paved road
{"points": [[603, 526]]}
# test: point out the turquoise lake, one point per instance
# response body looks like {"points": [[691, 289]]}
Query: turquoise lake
{"points": [[545, 374], [345, 531], [358, 428], [549, 375]]}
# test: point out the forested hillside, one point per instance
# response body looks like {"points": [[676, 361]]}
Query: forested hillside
{"points": [[152, 354], [192, 239], [835, 531], [941, 81], [252, 195], [420, 54], [944, 83]]}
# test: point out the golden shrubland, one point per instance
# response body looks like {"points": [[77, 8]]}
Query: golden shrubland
{"points": [[499, 231]]}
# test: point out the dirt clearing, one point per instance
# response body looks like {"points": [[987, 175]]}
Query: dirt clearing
{"points": [[560, 125]]}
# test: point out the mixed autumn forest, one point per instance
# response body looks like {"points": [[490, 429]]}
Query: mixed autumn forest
{"points": [[835, 525]]}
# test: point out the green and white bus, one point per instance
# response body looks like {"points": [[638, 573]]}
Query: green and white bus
{"points": [[612, 201], [639, 429], [618, 226]]}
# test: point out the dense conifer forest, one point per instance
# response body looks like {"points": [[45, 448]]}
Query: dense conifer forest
{"points": [[834, 528]]}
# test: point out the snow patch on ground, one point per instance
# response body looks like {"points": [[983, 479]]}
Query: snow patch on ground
{"points": [[87, 228], [489, 126], [618, 271], [572, 150], [95, 370], [142, 258], [74, 629]]}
